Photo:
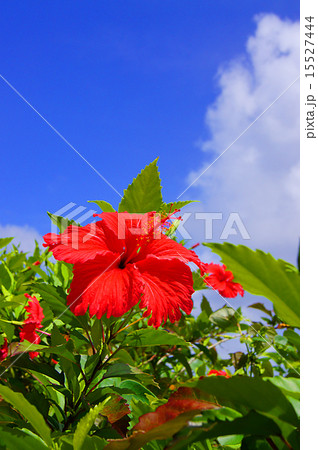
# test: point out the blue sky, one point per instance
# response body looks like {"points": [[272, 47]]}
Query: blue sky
{"points": [[123, 82]]}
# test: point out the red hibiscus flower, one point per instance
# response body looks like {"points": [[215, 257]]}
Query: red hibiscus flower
{"points": [[4, 350], [32, 323], [124, 259], [219, 373], [220, 279]]}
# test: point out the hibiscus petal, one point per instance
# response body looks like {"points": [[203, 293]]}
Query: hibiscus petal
{"points": [[125, 230], [221, 280], [28, 332], [110, 225], [104, 288], [219, 271], [78, 244], [168, 288], [166, 248], [35, 311], [232, 290]]}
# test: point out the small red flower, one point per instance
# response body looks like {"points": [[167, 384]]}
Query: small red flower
{"points": [[32, 323], [219, 373], [4, 350], [35, 311], [124, 259], [220, 279]]}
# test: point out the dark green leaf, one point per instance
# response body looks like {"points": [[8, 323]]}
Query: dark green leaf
{"points": [[127, 372], [260, 307], [24, 362], [205, 306], [289, 386], [26, 346], [252, 423], [255, 443], [148, 337], [97, 333], [252, 393], [293, 338]]}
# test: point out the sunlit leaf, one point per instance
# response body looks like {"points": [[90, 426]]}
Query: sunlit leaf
{"points": [[144, 193], [104, 206], [85, 424], [61, 222], [5, 241], [32, 415], [260, 274]]}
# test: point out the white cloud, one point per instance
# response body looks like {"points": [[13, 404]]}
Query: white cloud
{"points": [[259, 175], [23, 235]]}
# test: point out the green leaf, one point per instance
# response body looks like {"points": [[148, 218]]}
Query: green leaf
{"points": [[16, 262], [255, 443], [289, 386], [260, 307], [127, 372], [85, 424], [6, 277], [252, 393], [50, 294], [198, 281], [26, 346], [24, 362], [104, 206], [5, 241], [91, 363], [252, 423], [71, 372], [19, 402], [97, 333], [205, 306], [8, 329], [225, 317], [61, 222], [134, 389], [260, 274], [148, 337], [280, 340], [293, 338], [12, 438], [90, 442], [144, 193]]}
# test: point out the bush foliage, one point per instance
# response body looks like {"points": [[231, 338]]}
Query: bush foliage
{"points": [[118, 383]]}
